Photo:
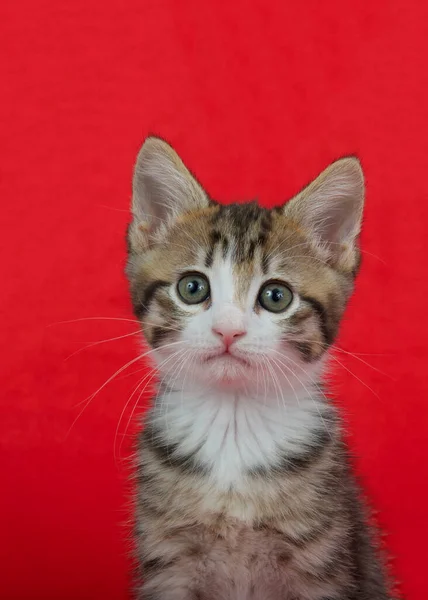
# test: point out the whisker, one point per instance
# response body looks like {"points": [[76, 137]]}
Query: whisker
{"points": [[265, 382], [357, 355], [92, 344], [178, 365], [283, 241], [94, 319], [311, 258], [88, 400], [150, 376], [346, 368], [161, 325], [112, 208], [310, 395], [288, 380], [275, 381], [356, 376], [184, 381], [313, 381], [147, 380], [364, 362], [140, 382], [171, 377], [137, 322]]}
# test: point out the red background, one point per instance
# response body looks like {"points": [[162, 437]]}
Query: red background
{"points": [[258, 97]]}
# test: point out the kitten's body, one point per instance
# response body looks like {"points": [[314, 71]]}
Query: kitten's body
{"points": [[292, 533], [244, 485]]}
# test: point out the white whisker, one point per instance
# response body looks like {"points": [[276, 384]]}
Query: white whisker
{"points": [[355, 376], [307, 390], [92, 344], [94, 319], [148, 379], [88, 400]]}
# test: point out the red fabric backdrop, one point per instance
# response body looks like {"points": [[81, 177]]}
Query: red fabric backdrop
{"points": [[258, 97]]}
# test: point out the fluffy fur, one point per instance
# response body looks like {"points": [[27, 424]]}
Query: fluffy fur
{"points": [[244, 488]]}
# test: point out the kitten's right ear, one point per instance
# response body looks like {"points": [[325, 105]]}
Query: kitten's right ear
{"points": [[330, 211], [163, 189]]}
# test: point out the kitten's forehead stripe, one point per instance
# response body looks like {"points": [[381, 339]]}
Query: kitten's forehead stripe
{"points": [[245, 228], [225, 246], [242, 230]]}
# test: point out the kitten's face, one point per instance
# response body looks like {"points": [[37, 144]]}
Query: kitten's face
{"points": [[234, 296]]}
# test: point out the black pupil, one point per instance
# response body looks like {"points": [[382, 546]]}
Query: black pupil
{"points": [[276, 295], [193, 286]]}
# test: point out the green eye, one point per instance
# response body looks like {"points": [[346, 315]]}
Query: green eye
{"points": [[193, 288], [275, 297]]}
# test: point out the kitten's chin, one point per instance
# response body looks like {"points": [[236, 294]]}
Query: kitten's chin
{"points": [[226, 371]]}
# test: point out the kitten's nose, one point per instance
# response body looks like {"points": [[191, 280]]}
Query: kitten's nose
{"points": [[229, 334]]}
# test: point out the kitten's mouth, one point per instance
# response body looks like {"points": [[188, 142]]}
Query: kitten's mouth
{"points": [[228, 357]]}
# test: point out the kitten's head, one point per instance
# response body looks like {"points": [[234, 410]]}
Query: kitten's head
{"points": [[240, 296]]}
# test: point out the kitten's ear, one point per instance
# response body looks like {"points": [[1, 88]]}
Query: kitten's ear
{"points": [[163, 188], [330, 209]]}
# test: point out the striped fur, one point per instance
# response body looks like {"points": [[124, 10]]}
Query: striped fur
{"points": [[244, 484]]}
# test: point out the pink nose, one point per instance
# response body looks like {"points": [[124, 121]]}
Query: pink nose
{"points": [[229, 334]]}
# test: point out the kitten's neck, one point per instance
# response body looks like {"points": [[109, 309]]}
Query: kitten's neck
{"points": [[230, 434]]}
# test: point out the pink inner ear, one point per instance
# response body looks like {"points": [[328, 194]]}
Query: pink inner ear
{"points": [[332, 205]]}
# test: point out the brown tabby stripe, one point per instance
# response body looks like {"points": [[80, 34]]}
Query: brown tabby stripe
{"points": [[298, 462], [215, 239], [225, 246], [154, 565], [294, 464], [209, 257], [192, 595], [167, 453], [149, 505], [306, 350], [159, 335], [142, 307], [326, 329], [152, 596], [251, 226]]}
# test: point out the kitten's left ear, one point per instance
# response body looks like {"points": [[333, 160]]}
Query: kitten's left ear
{"points": [[330, 211], [163, 189]]}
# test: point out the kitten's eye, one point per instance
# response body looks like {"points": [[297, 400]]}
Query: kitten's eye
{"points": [[193, 288], [275, 297]]}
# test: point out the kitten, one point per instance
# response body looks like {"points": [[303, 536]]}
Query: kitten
{"points": [[244, 487]]}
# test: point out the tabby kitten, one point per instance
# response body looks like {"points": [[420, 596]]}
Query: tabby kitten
{"points": [[244, 488]]}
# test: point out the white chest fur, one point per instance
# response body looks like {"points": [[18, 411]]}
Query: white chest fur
{"points": [[232, 434]]}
